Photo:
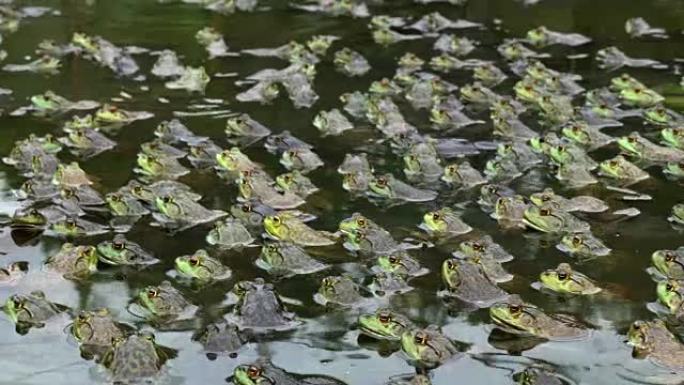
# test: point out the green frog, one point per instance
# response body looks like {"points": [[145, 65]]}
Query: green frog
{"points": [[384, 324], [160, 167], [400, 263], [286, 260], [581, 203], [671, 294], [673, 137], [669, 263], [125, 205], [122, 252], [302, 159], [263, 372], [219, 337], [583, 245], [31, 310], [71, 175], [677, 216], [256, 186], [462, 175], [95, 330], [444, 223], [164, 301], [332, 122], [340, 291], [202, 267], [72, 227], [74, 262], [549, 220], [230, 233], [193, 79], [640, 97], [564, 280], [519, 318], [428, 347], [181, 212], [388, 187], [637, 146], [288, 228], [297, 183]]}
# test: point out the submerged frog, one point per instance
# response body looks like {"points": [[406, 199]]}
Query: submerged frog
{"points": [[263, 372], [259, 308], [288, 228], [340, 291], [286, 260], [202, 267], [583, 245], [74, 262], [519, 318], [384, 324], [467, 281], [31, 310], [537, 376], [427, 347], [388, 187], [229, 233], [563, 279], [219, 337], [549, 220], [677, 216], [77, 227], [652, 339]]}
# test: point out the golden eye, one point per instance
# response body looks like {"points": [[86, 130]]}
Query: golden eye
{"points": [[515, 309], [435, 216], [151, 293], [384, 318], [562, 276], [669, 287], [167, 199], [361, 222], [637, 90], [450, 264], [421, 338], [452, 169], [393, 259], [194, 261], [669, 257], [115, 198], [246, 208], [276, 220], [631, 139], [613, 163], [382, 182], [118, 245], [253, 372], [576, 240], [544, 212]]}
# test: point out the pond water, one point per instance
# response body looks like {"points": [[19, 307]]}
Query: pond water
{"points": [[328, 341]]}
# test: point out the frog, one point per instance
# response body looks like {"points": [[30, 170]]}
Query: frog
{"points": [[163, 302], [550, 220], [537, 376], [174, 131], [149, 193], [202, 155], [159, 167], [44, 65], [350, 62], [75, 200], [565, 280], [95, 330], [661, 116], [427, 347], [36, 190], [111, 115], [297, 183], [285, 260], [384, 324], [159, 149], [125, 205], [462, 175], [201, 267], [674, 170], [288, 228], [400, 263], [623, 171], [319, 44], [263, 92], [502, 170], [193, 80], [418, 379], [87, 143], [468, 282], [509, 211], [230, 233], [669, 263], [70, 175], [235, 161], [72, 227], [580, 203], [73, 262], [444, 222], [542, 37], [567, 153], [259, 308], [583, 245], [31, 310], [371, 241], [339, 291], [134, 359], [585, 135], [640, 97], [673, 137], [264, 372], [670, 293], [421, 164], [388, 187], [255, 186], [212, 41], [219, 337], [122, 252], [302, 159], [677, 216], [523, 319], [167, 65], [637, 146], [488, 74], [180, 212], [50, 103], [384, 283], [243, 130], [575, 175], [32, 218], [654, 340]]}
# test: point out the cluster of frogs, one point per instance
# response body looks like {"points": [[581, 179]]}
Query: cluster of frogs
{"points": [[60, 199]]}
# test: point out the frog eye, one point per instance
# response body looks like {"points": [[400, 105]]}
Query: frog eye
{"points": [[669, 257], [167, 199], [149, 337], [361, 222], [528, 88], [17, 302], [450, 264], [151, 293], [421, 338], [82, 317], [137, 189], [115, 198], [631, 139], [544, 212], [194, 261], [637, 90], [452, 169], [384, 317], [70, 222], [669, 287], [253, 372], [576, 240], [514, 309], [382, 182], [393, 259], [545, 198], [276, 220], [563, 276], [613, 163], [246, 208], [436, 216], [413, 158], [287, 178], [118, 245], [292, 153]]}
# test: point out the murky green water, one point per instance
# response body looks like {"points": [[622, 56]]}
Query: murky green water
{"points": [[327, 342]]}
